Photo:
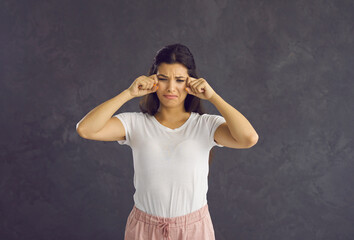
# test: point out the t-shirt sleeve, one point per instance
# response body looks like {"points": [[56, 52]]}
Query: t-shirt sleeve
{"points": [[127, 119], [213, 122]]}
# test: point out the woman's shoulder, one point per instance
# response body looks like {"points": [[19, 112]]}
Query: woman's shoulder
{"points": [[209, 117], [130, 115]]}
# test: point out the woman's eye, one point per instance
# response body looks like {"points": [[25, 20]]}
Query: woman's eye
{"points": [[166, 79]]}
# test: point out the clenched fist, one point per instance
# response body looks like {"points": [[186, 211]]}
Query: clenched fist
{"points": [[143, 85]]}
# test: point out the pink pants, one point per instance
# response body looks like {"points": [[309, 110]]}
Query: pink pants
{"points": [[196, 225]]}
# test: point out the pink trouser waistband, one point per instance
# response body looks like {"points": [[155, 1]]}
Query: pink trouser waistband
{"points": [[166, 223]]}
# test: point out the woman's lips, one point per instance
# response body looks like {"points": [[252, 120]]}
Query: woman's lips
{"points": [[170, 97]]}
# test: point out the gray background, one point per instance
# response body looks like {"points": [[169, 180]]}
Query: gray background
{"points": [[287, 66]]}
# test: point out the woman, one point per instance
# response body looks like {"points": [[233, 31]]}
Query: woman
{"points": [[171, 139]]}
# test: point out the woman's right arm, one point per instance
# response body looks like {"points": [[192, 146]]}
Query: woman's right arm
{"points": [[99, 124], [97, 118]]}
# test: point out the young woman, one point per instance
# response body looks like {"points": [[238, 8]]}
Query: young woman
{"points": [[171, 140]]}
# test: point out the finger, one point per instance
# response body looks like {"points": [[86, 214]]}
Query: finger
{"points": [[154, 87], [193, 86], [199, 86], [156, 79], [155, 83], [189, 91], [190, 80], [151, 80], [153, 76], [143, 84], [140, 84]]}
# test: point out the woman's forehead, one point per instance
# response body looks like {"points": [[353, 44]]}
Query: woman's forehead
{"points": [[175, 69]]}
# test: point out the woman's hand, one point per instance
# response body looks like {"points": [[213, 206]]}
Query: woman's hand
{"points": [[144, 85], [199, 88]]}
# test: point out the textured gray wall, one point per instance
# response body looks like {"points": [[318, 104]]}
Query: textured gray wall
{"points": [[286, 65]]}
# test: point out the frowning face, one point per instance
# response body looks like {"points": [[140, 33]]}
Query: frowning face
{"points": [[172, 82]]}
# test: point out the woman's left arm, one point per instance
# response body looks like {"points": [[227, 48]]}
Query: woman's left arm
{"points": [[240, 128], [242, 133]]}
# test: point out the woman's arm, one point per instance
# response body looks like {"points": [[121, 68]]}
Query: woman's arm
{"points": [[240, 128], [96, 119]]}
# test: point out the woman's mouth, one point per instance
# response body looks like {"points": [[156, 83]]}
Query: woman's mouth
{"points": [[170, 96]]}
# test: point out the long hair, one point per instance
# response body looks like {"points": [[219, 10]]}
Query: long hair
{"points": [[174, 53]]}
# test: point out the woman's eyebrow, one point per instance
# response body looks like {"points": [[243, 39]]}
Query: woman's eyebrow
{"points": [[167, 77]]}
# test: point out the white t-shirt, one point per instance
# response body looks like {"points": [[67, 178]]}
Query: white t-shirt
{"points": [[171, 166]]}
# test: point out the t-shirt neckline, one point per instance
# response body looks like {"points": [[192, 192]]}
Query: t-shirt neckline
{"points": [[170, 129]]}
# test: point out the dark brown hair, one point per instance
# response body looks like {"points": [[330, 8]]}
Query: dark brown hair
{"points": [[174, 53]]}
